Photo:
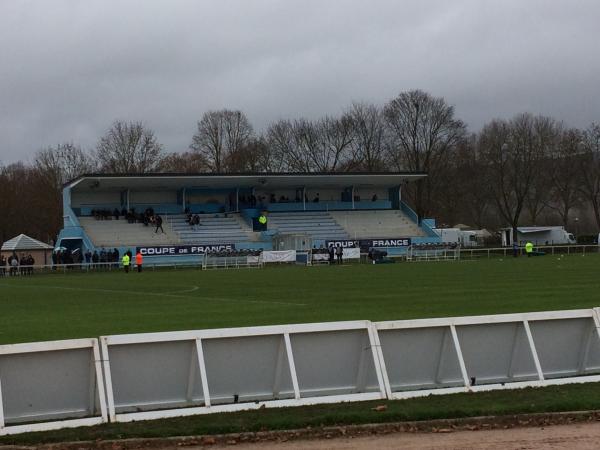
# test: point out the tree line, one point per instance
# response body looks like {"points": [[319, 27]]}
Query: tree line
{"points": [[528, 170]]}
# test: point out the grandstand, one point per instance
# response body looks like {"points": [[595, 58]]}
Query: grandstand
{"points": [[118, 233], [382, 223], [320, 225], [106, 210], [214, 229]]}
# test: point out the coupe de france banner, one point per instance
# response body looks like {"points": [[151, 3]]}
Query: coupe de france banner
{"points": [[184, 250], [369, 243]]}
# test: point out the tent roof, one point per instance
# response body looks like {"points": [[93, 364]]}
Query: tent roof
{"points": [[526, 230], [23, 242]]}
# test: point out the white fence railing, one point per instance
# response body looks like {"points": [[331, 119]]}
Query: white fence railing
{"points": [[466, 253], [53, 385], [211, 261]]}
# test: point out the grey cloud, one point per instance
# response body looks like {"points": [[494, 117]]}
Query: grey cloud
{"points": [[68, 69]]}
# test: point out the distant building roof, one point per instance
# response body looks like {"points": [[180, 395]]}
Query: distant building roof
{"points": [[23, 242]]}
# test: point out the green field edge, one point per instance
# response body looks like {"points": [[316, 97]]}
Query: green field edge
{"points": [[573, 397]]}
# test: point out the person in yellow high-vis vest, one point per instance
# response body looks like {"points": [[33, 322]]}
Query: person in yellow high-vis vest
{"points": [[529, 249], [126, 262]]}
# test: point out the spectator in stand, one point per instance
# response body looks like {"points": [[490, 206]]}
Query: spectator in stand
{"points": [[88, 257], [316, 199], [116, 214], [196, 221], [374, 198], [158, 222], [95, 258]]}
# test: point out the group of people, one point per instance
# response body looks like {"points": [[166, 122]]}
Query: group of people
{"points": [[102, 258], [528, 249], [127, 261], [13, 265], [335, 253], [148, 217], [193, 220]]}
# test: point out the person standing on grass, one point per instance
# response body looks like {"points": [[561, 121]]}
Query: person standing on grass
{"points": [[139, 260], [331, 251], [515, 249], [14, 265], [126, 262], [339, 251], [529, 249]]}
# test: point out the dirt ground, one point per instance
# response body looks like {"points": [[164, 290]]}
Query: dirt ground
{"points": [[576, 436]]}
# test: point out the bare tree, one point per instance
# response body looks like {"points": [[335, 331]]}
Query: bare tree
{"points": [[513, 152], [473, 176], [63, 163], [28, 203], [564, 174], [285, 141], [423, 130], [328, 142], [306, 146], [219, 134], [128, 147], [590, 168], [545, 139], [368, 145], [254, 156], [187, 162]]}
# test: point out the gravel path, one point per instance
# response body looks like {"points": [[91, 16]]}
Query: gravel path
{"points": [[577, 436]]}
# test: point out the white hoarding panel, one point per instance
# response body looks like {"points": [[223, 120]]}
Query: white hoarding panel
{"points": [[496, 353], [50, 385], [334, 363], [247, 369], [420, 358]]}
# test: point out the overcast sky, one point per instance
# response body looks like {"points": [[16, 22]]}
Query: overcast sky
{"points": [[68, 69]]}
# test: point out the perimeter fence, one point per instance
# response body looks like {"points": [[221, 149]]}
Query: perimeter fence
{"points": [[122, 378]]}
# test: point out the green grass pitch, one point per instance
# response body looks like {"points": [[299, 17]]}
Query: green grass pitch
{"points": [[58, 306]]}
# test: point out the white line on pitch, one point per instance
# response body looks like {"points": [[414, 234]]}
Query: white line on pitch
{"points": [[158, 294]]}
